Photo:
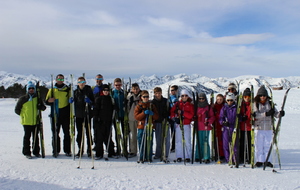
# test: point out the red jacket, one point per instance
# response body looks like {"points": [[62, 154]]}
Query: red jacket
{"points": [[205, 114], [187, 108], [246, 111]]}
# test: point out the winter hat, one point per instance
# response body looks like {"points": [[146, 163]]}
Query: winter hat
{"points": [[105, 86], [231, 85], [184, 91], [247, 92], [262, 91], [230, 96], [30, 85]]}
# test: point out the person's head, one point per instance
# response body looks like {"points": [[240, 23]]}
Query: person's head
{"points": [[262, 94], [174, 89], [145, 96], [118, 83], [81, 82], [247, 95], [135, 88], [99, 79], [219, 99], [230, 98], [202, 97], [60, 79], [30, 88], [105, 89], [157, 93], [184, 95], [232, 88]]}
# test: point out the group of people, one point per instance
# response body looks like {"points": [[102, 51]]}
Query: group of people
{"points": [[172, 120]]}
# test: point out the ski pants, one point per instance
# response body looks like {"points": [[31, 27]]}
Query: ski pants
{"points": [[31, 130], [263, 139], [133, 136], [103, 135], [203, 139], [159, 131], [80, 123], [227, 141], [245, 142], [181, 152]]}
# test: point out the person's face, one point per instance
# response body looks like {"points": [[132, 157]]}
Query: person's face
{"points": [[232, 90], [158, 95], [105, 91], [173, 91], [184, 97], [247, 98], [118, 85], [135, 90], [230, 101], [219, 100], [201, 99], [99, 80], [262, 98], [60, 80], [145, 98], [81, 83], [31, 90]]}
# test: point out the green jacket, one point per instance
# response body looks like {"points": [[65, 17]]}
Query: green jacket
{"points": [[61, 94]]}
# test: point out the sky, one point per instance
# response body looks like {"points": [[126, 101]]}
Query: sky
{"points": [[131, 38]]}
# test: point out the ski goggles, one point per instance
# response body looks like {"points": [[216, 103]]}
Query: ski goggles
{"points": [[81, 82], [99, 78], [60, 79]]}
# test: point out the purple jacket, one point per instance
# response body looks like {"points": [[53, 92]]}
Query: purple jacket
{"points": [[228, 113]]}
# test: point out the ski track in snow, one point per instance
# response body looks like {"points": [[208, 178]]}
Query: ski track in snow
{"points": [[60, 173]]}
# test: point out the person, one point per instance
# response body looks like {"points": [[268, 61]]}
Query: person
{"points": [[232, 88], [245, 126], [119, 99], [133, 99], [182, 113], [227, 120], [172, 100], [263, 127], [161, 132], [206, 119], [220, 101], [103, 114], [60, 98], [27, 108], [83, 96], [142, 112]]}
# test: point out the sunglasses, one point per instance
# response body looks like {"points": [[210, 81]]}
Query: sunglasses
{"points": [[99, 78], [262, 96], [81, 82], [118, 85], [229, 100], [184, 95], [31, 88], [231, 89], [173, 90], [60, 79], [247, 97], [145, 96]]}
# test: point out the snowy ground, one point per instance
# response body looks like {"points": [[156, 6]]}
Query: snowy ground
{"points": [[17, 172]]}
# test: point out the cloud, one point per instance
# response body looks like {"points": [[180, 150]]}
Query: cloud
{"points": [[242, 39]]}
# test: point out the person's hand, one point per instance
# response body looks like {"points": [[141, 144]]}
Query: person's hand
{"points": [[71, 100]]}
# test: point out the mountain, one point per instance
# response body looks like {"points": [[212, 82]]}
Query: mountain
{"points": [[191, 82]]}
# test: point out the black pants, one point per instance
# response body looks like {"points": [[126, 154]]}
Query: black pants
{"points": [[63, 122], [31, 130], [242, 146], [103, 132], [80, 122]]}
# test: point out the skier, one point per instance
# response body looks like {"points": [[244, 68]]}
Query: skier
{"points": [[142, 112], [172, 100], [61, 101], [220, 101], [161, 105], [182, 113], [133, 99], [245, 126], [103, 115], [27, 107], [263, 113], [83, 95], [227, 120], [206, 118]]}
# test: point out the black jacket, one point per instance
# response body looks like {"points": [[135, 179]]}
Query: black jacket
{"points": [[79, 101]]}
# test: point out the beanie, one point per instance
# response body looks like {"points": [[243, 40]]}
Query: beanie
{"points": [[230, 96], [30, 85], [105, 86], [184, 91], [262, 91], [247, 92], [231, 85]]}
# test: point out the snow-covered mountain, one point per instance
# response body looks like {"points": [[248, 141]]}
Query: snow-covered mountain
{"points": [[193, 82]]}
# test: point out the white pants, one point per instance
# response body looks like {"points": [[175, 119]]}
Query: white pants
{"points": [[178, 141], [263, 139]]}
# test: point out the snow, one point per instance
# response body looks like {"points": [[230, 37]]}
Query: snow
{"points": [[17, 172]]}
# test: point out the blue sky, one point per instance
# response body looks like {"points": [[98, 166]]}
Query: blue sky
{"points": [[131, 38]]}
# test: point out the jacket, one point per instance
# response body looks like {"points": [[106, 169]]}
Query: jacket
{"points": [[228, 113], [205, 114], [61, 93], [162, 108], [246, 111], [140, 116], [263, 122], [187, 108], [104, 108], [79, 101], [133, 101]]}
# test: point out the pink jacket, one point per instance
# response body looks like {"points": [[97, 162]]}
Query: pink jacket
{"points": [[205, 116]]}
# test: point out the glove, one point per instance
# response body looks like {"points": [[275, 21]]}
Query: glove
{"points": [[148, 112], [71, 100], [244, 118], [41, 107], [225, 123], [282, 113], [270, 112], [254, 114], [87, 100]]}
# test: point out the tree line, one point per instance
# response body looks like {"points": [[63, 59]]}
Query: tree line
{"points": [[17, 90]]}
